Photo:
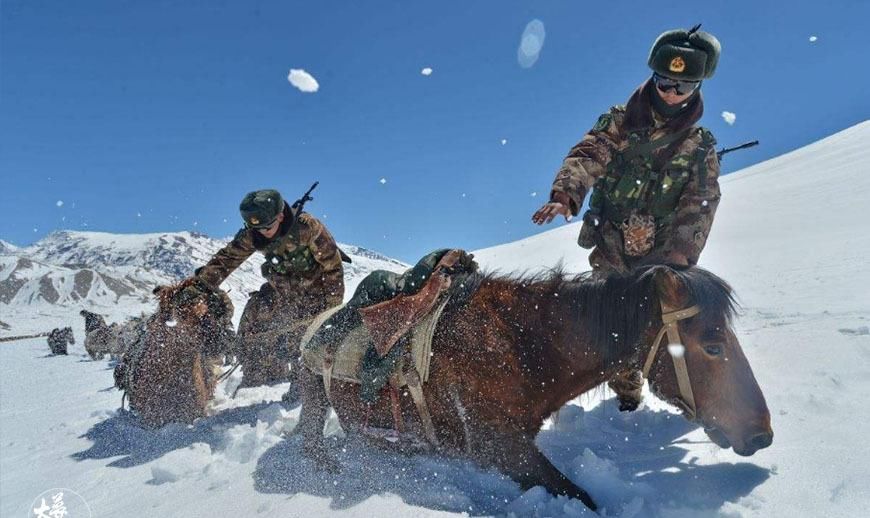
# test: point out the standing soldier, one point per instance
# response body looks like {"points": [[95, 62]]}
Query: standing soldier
{"points": [[304, 276], [652, 172]]}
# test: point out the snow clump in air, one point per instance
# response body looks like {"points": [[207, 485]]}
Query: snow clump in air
{"points": [[303, 81], [531, 43], [677, 350], [729, 117]]}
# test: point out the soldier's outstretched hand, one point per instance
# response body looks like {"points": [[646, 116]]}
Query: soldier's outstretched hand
{"points": [[549, 211]]}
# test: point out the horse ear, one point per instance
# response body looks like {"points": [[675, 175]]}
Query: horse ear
{"points": [[672, 289], [158, 289]]}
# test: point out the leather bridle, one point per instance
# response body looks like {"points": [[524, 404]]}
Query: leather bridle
{"points": [[686, 399]]}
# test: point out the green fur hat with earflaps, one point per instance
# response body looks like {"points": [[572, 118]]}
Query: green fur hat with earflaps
{"points": [[259, 209], [687, 55]]}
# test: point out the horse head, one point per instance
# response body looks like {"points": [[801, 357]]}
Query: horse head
{"points": [[204, 313], [93, 321], [68, 336], [716, 387]]}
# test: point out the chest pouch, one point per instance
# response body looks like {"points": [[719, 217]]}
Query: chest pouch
{"points": [[638, 234], [286, 261]]}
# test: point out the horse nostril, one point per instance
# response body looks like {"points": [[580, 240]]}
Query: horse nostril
{"points": [[762, 440]]}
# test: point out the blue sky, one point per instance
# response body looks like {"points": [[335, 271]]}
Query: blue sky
{"points": [[159, 116]]}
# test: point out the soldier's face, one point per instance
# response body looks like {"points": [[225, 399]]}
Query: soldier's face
{"points": [[270, 232]]}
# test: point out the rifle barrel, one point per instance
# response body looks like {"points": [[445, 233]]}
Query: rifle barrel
{"points": [[727, 150]]}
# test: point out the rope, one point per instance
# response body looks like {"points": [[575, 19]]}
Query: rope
{"points": [[22, 337], [229, 373]]}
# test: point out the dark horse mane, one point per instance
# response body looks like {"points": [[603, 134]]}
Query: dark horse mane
{"points": [[616, 309]]}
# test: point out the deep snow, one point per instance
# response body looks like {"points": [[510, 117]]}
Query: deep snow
{"points": [[789, 236]]}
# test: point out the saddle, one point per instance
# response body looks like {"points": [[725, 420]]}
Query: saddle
{"points": [[389, 321], [387, 341]]}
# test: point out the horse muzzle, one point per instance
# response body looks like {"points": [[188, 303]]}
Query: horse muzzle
{"points": [[744, 448], [757, 442]]}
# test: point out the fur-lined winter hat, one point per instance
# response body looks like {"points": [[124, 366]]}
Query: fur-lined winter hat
{"points": [[687, 55]]}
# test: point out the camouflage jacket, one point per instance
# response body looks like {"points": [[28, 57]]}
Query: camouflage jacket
{"points": [[685, 231], [303, 257]]}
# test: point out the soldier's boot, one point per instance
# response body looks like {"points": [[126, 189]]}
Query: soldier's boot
{"points": [[628, 386]]}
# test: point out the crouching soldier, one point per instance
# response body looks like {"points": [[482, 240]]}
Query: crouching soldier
{"points": [[653, 174], [304, 276]]}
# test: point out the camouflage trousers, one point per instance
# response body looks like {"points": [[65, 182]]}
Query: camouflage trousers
{"points": [[270, 330]]}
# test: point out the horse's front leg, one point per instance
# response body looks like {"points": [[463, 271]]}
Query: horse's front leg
{"points": [[518, 457], [312, 418]]}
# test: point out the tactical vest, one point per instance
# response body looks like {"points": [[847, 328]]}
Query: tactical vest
{"points": [[635, 181], [286, 256]]}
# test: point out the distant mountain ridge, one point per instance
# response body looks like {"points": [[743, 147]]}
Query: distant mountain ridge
{"points": [[108, 273], [7, 247]]}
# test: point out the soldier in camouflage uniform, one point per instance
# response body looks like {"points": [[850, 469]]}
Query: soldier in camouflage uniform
{"points": [[653, 174], [304, 276]]}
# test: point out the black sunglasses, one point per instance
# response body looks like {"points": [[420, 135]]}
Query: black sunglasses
{"points": [[680, 87], [261, 226]]}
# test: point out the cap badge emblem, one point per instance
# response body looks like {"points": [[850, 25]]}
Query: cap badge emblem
{"points": [[677, 64]]}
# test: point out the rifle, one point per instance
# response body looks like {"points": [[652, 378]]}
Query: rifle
{"points": [[726, 150], [300, 203]]}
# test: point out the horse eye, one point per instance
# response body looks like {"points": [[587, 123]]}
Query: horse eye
{"points": [[713, 350]]}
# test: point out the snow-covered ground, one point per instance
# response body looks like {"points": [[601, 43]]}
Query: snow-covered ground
{"points": [[790, 236]]}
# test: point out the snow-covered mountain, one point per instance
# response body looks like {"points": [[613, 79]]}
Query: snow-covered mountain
{"points": [[114, 274], [790, 236], [7, 247]]}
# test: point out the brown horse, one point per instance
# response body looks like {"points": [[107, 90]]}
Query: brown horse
{"points": [[170, 374], [507, 353], [59, 338], [112, 339]]}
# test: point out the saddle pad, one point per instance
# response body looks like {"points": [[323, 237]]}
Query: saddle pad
{"points": [[350, 352]]}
